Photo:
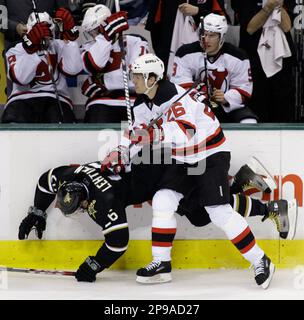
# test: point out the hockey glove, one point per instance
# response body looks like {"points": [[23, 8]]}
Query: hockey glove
{"points": [[35, 219], [199, 93], [87, 271], [115, 24], [116, 160], [32, 41], [144, 135], [92, 88], [65, 20]]}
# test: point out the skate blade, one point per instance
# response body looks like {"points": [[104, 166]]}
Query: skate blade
{"points": [[256, 166], [266, 283], [159, 278], [292, 217]]}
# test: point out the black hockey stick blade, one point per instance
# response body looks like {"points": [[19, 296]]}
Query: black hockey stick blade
{"points": [[39, 271]]}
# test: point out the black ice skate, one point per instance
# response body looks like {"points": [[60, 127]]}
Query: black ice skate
{"points": [[263, 272], [254, 175], [155, 272], [284, 214]]}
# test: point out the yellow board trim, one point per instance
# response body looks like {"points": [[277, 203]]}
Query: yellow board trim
{"points": [[186, 254]]}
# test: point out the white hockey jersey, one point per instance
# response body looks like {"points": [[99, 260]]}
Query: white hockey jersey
{"points": [[228, 71], [104, 58], [190, 128], [30, 72]]}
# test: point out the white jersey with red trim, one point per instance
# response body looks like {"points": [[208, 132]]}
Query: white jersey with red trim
{"points": [[228, 71], [103, 58], [190, 128], [30, 72]]}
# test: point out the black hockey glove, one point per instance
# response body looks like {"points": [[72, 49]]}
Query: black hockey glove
{"points": [[87, 271], [35, 219]]}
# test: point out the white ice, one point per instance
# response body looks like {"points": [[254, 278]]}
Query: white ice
{"points": [[188, 284]]}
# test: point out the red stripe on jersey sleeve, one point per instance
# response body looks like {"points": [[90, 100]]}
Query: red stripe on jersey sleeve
{"points": [[13, 74]]}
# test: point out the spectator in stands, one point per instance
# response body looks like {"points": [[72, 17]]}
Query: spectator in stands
{"points": [[161, 18], [38, 66], [264, 25], [229, 80], [102, 60]]}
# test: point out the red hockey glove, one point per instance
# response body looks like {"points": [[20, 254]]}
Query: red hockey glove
{"points": [[68, 31], [92, 88], [32, 41], [116, 160], [143, 135], [116, 24]]}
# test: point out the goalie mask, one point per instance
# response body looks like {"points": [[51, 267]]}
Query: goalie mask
{"points": [[70, 195], [215, 23], [146, 65], [95, 17]]}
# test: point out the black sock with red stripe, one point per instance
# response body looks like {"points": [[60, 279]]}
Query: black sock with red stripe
{"points": [[162, 239]]}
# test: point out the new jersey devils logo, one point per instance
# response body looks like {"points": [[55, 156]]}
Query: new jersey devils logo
{"points": [[218, 79]]}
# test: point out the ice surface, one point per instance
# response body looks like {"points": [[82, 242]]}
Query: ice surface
{"points": [[188, 284]]}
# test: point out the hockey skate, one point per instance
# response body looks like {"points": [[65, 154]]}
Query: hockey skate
{"points": [[254, 175], [284, 214], [263, 272], [155, 272]]}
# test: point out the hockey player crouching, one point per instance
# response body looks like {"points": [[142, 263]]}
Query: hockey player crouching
{"points": [[37, 67], [102, 61]]}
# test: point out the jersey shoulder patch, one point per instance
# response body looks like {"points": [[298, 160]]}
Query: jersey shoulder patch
{"points": [[234, 51], [188, 49], [165, 92]]}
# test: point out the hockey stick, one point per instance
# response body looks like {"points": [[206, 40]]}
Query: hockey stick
{"points": [[213, 104], [50, 67], [125, 73], [38, 271]]}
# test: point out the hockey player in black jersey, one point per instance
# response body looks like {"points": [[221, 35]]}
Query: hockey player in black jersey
{"points": [[229, 82], [105, 200]]}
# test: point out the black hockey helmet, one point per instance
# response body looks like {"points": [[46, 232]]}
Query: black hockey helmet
{"points": [[70, 195]]}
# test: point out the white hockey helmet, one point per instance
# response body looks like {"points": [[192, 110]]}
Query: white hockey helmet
{"points": [[148, 63], [43, 17], [216, 23], [94, 17]]}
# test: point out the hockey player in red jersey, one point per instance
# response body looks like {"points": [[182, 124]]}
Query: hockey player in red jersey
{"points": [[102, 60], [38, 66], [198, 143], [229, 83]]}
